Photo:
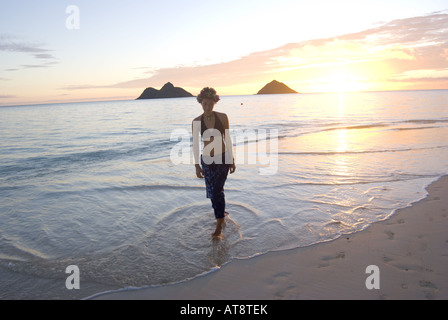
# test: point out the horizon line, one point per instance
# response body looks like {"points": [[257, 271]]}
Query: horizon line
{"points": [[224, 95]]}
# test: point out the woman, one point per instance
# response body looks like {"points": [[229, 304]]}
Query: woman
{"points": [[217, 156]]}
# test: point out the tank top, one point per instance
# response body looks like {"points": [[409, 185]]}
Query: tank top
{"points": [[218, 125]]}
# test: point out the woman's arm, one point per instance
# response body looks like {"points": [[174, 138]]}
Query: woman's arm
{"points": [[229, 143], [196, 128]]}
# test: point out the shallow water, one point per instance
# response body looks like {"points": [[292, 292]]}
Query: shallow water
{"points": [[95, 184]]}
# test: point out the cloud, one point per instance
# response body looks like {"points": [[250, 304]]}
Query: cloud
{"points": [[16, 44], [11, 43], [392, 52], [422, 75], [45, 56], [33, 66], [193, 76], [389, 51]]}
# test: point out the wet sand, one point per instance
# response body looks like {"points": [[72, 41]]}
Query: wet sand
{"points": [[410, 251]]}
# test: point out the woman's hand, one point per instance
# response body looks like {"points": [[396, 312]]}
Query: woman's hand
{"points": [[232, 167], [199, 172]]}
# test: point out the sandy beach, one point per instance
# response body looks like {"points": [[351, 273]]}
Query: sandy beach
{"points": [[410, 250]]}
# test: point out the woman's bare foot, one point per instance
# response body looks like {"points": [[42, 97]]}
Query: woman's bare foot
{"points": [[218, 231]]}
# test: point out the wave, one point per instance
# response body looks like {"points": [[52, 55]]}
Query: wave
{"points": [[426, 121], [124, 189], [357, 127], [292, 129], [329, 153], [150, 187], [12, 251], [354, 181], [390, 124], [164, 254], [299, 128], [160, 147], [51, 162]]}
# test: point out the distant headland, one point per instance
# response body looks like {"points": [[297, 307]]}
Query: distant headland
{"points": [[167, 91], [276, 87], [170, 91]]}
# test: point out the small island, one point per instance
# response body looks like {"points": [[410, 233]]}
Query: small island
{"points": [[167, 91], [276, 87]]}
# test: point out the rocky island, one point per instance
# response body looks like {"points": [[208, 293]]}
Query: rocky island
{"points": [[276, 87], [167, 91]]}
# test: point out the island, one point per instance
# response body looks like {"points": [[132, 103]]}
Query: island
{"points": [[167, 91], [276, 87]]}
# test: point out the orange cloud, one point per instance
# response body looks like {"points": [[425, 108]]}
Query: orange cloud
{"points": [[381, 58], [402, 54]]}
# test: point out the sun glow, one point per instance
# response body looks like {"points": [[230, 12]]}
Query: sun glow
{"points": [[341, 82]]}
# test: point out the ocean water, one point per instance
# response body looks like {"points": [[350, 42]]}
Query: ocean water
{"points": [[105, 185]]}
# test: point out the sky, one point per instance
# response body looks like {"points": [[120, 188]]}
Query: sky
{"points": [[66, 51]]}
